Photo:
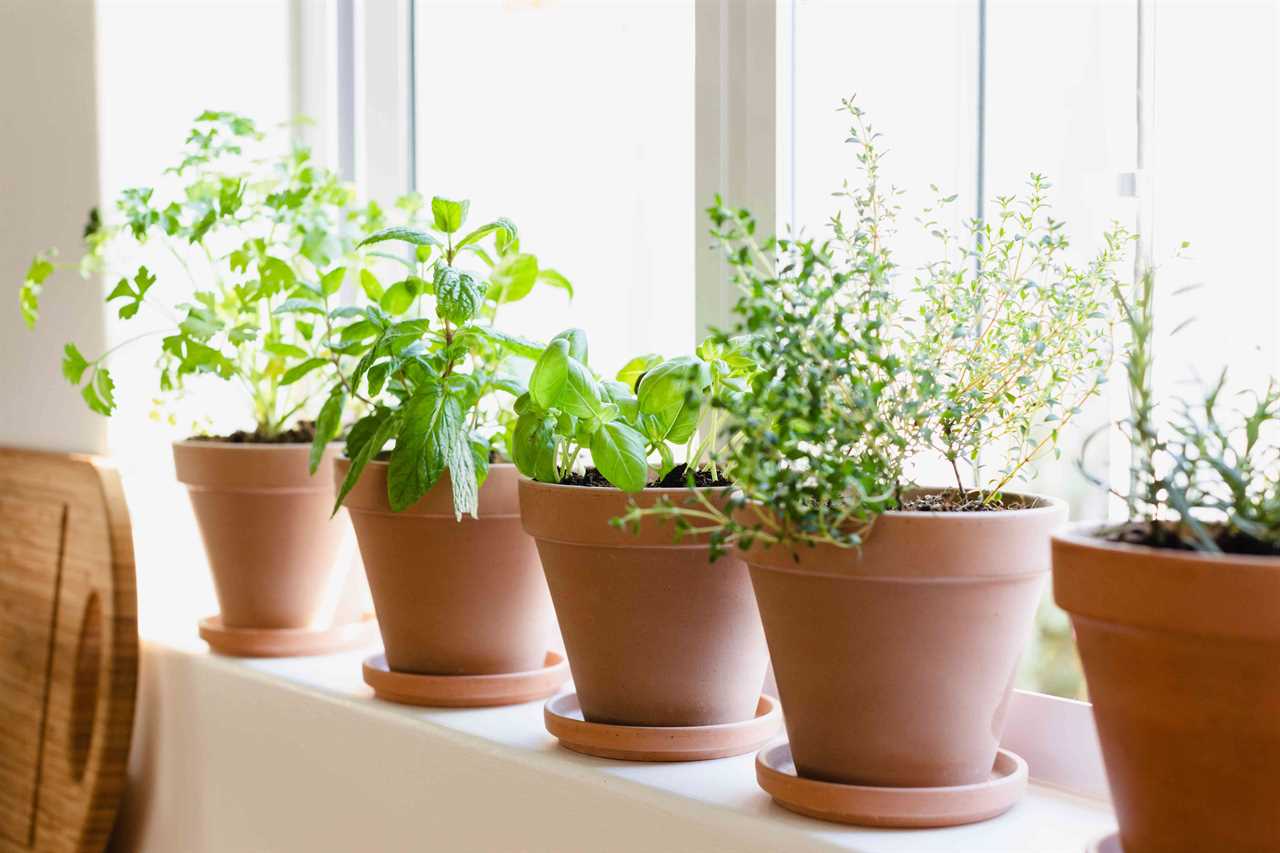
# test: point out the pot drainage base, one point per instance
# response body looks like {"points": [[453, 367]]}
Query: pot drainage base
{"points": [[564, 719], [864, 805], [287, 642], [465, 691]]}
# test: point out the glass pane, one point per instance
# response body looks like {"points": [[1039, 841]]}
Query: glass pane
{"points": [[575, 120]]}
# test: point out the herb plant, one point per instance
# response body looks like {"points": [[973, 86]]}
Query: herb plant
{"points": [[982, 362], [441, 386], [651, 409], [259, 237], [1208, 479]]}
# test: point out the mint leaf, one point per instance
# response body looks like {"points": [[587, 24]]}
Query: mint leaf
{"points": [[555, 279], [448, 214], [432, 423], [365, 441], [328, 423], [400, 234], [298, 371], [458, 295], [514, 277]]}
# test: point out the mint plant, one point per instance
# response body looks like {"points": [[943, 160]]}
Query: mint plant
{"points": [[982, 362], [440, 382], [260, 237], [653, 408]]}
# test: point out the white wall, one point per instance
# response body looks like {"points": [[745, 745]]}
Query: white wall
{"points": [[48, 182]]}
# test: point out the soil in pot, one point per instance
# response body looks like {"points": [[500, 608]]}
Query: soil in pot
{"points": [[676, 478], [277, 557], [895, 661], [453, 597], [657, 634], [1181, 652]]}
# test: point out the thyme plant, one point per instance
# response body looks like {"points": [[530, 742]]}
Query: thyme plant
{"points": [[259, 235], [982, 362]]}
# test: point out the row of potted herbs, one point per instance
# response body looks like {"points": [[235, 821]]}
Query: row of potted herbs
{"points": [[696, 517]]}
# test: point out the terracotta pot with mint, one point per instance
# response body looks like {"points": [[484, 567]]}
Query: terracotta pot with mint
{"points": [[260, 259], [461, 602], [657, 634], [1177, 614], [896, 614]]}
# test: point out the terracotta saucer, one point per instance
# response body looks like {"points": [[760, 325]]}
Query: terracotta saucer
{"points": [[1106, 844], [286, 642], [564, 719], [465, 691], [899, 807]]}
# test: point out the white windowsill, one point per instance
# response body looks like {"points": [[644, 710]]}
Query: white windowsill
{"points": [[295, 754]]}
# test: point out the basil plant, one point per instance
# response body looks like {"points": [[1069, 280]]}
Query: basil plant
{"points": [[258, 232], [435, 374], [633, 424]]}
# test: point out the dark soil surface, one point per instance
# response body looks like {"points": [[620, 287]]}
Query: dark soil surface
{"points": [[1169, 537], [954, 501], [675, 479], [304, 432]]}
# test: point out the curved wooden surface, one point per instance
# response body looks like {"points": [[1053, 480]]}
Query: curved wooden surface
{"points": [[68, 651]]}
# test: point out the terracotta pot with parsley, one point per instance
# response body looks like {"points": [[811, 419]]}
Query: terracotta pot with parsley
{"points": [[896, 613], [1177, 615], [456, 583], [259, 263], [657, 635]]}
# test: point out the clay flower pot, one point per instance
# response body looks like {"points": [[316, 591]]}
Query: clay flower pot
{"points": [[452, 597], [275, 554], [657, 634], [895, 661], [1181, 652]]}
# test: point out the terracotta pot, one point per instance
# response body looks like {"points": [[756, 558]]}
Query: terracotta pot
{"points": [[452, 597], [278, 560], [657, 634], [895, 661], [1181, 652]]}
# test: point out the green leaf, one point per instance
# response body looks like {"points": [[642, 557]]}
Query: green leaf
{"points": [[533, 447], [637, 367], [285, 350], [460, 459], [581, 395], [432, 422], [298, 371], [331, 283], [276, 275], [370, 285], [328, 423], [555, 279], [458, 295], [99, 392], [505, 225], [514, 344], [550, 374], [448, 214], [398, 298], [29, 296], [618, 453], [73, 364], [400, 234], [514, 277], [577, 340], [670, 396], [299, 305], [365, 441]]}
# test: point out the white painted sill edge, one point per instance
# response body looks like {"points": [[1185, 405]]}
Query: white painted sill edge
{"points": [[295, 754]]}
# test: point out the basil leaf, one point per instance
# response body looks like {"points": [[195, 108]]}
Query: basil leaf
{"points": [[619, 454]]}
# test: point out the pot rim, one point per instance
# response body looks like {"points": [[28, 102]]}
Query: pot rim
{"points": [[1083, 534], [247, 445], [614, 490]]}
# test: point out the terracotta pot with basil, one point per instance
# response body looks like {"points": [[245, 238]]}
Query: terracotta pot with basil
{"points": [[657, 634], [1177, 615]]}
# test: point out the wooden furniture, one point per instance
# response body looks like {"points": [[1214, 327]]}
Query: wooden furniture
{"points": [[68, 651]]}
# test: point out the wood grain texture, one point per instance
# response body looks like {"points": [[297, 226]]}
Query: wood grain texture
{"points": [[68, 651]]}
